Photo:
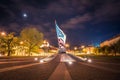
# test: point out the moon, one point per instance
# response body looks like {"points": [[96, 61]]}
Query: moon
{"points": [[25, 15]]}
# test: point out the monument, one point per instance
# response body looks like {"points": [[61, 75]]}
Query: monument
{"points": [[61, 39]]}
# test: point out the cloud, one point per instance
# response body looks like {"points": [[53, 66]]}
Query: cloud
{"points": [[109, 11], [6, 13], [67, 7], [78, 20], [57, 8], [71, 14]]}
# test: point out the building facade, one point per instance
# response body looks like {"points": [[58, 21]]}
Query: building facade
{"points": [[110, 41]]}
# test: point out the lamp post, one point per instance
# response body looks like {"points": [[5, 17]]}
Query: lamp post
{"points": [[75, 48], [67, 46], [82, 48], [21, 42], [22, 50]]}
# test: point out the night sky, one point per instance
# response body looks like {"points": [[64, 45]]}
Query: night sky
{"points": [[85, 22]]}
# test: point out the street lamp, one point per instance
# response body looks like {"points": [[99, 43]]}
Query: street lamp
{"points": [[21, 42], [75, 48], [3, 33], [22, 47], [82, 46], [67, 46]]}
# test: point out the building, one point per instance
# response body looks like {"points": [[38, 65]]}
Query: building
{"points": [[89, 49], [110, 41]]}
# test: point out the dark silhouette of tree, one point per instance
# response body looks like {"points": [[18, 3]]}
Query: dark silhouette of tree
{"points": [[114, 48], [8, 42]]}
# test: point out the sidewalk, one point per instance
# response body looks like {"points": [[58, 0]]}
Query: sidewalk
{"points": [[60, 73]]}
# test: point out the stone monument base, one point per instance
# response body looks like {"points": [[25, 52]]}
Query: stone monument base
{"points": [[62, 50]]}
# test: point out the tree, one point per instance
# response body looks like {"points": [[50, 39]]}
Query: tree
{"points": [[116, 47], [105, 50], [97, 50], [32, 38], [113, 48], [8, 41]]}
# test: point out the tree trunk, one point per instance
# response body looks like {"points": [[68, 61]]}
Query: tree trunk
{"points": [[29, 52], [8, 53], [115, 53], [9, 50]]}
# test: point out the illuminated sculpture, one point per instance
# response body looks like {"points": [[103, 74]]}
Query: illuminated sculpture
{"points": [[61, 39]]}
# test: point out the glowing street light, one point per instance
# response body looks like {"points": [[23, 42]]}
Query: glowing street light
{"points": [[75, 48], [82, 46], [67, 45], [3, 33], [44, 41], [45, 44], [21, 42]]}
